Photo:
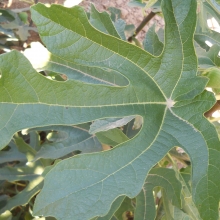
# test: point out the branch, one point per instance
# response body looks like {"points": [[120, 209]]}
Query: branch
{"points": [[142, 24]]}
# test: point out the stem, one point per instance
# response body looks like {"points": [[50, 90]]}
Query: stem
{"points": [[142, 24]]}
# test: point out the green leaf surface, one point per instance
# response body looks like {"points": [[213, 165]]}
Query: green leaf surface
{"points": [[73, 71], [14, 21], [115, 13], [112, 137], [151, 42], [20, 173], [6, 16], [203, 32], [67, 140], [25, 148], [13, 154], [120, 25], [210, 58], [102, 22], [164, 90], [125, 206], [165, 178], [115, 206], [215, 5]]}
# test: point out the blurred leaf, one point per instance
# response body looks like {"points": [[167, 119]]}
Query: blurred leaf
{"points": [[112, 137], [125, 206], [129, 30], [120, 27], [28, 173], [34, 140], [7, 32], [165, 178], [13, 154], [25, 195], [67, 139], [18, 25], [6, 16], [25, 148], [137, 3], [150, 3], [24, 17], [210, 58], [203, 31], [102, 22], [23, 32], [215, 5], [114, 207], [115, 13], [6, 216], [151, 42]]}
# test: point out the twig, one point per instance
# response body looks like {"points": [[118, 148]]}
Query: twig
{"points": [[142, 24]]}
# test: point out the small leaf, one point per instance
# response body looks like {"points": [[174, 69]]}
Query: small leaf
{"points": [[102, 22], [67, 140], [23, 32], [13, 154], [6, 16], [115, 13], [120, 27], [115, 206], [24, 17], [165, 178], [213, 74], [25, 148], [126, 206], [151, 43], [210, 58]]}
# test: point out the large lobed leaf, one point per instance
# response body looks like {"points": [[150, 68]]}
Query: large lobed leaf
{"points": [[164, 90]]}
